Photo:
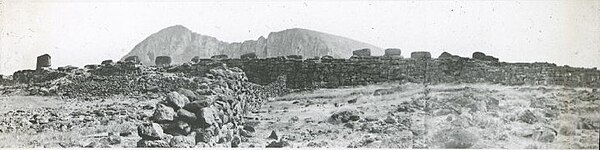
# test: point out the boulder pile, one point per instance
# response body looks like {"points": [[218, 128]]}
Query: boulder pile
{"points": [[207, 116]]}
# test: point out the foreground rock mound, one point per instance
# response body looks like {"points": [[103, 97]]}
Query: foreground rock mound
{"points": [[207, 116]]}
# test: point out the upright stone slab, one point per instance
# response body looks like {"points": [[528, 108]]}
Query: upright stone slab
{"points": [[162, 61], [420, 55], [362, 53], [43, 61]]}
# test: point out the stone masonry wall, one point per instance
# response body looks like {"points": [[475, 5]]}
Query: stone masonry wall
{"points": [[347, 72]]}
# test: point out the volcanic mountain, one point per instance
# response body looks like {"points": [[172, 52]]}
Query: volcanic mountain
{"points": [[182, 45]]}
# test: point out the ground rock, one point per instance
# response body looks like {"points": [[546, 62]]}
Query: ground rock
{"points": [[176, 100], [163, 113], [273, 135], [278, 144], [182, 142], [186, 116], [188, 93], [153, 144], [345, 116], [545, 134], [150, 131]]}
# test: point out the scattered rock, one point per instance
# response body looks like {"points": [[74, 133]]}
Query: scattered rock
{"points": [[182, 142], [390, 120], [273, 135], [345, 116], [545, 134], [246, 133], [206, 117], [114, 138], [188, 93], [528, 117], [455, 138], [163, 113], [278, 144], [186, 116], [153, 144], [201, 102], [97, 144], [125, 133], [150, 131], [176, 100], [352, 101], [235, 142]]}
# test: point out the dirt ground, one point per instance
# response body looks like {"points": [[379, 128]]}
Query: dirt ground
{"points": [[375, 116], [435, 116]]}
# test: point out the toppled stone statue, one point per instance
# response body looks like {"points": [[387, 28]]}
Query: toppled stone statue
{"points": [[162, 61], [91, 66], [420, 55], [43, 61], [482, 56], [446, 55], [219, 57], [393, 53], [294, 57], [362, 52], [107, 62], [67, 68], [249, 56]]}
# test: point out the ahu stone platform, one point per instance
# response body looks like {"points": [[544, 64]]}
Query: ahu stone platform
{"points": [[313, 73]]}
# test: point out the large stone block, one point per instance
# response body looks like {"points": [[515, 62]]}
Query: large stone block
{"points": [[219, 57], [150, 131], [107, 62], [162, 61], [43, 61], [176, 100], [196, 59], [482, 56], [362, 52], [420, 55], [163, 113], [393, 52], [249, 56], [132, 59], [294, 57]]}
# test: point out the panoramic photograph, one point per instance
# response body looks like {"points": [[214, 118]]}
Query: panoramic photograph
{"points": [[300, 74]]}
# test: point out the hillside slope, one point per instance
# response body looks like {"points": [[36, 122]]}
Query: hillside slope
{"points": [[182, 44]]}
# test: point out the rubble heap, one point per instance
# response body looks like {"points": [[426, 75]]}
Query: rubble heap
{"points": [[206, 116]]}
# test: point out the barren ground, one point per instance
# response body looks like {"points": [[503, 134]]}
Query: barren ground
{"points": [[404, 116]]}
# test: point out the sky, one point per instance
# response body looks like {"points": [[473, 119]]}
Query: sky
{"points": [[87, 32]]}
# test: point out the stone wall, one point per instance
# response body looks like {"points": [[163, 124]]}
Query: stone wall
{"points": [[347, 72]]}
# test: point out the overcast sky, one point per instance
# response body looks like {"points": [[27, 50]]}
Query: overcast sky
{"points": [[80, 33]]}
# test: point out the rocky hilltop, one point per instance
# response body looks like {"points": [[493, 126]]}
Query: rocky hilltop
{"points": [[182, 45]]}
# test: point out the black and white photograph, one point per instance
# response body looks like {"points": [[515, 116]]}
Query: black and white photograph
{"points": [[298, 74]]}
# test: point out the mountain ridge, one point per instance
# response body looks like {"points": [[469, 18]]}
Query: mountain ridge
{"points": [[182, 44]]}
